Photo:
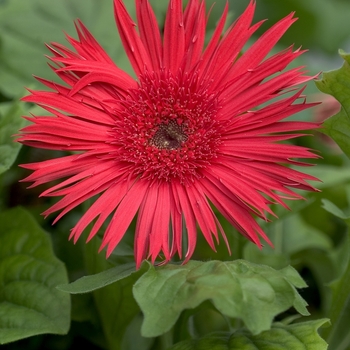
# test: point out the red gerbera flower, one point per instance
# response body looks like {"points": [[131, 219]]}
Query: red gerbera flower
{"points": [[199, 127]]}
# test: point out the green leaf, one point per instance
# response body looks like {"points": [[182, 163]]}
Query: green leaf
{"points": [[30, 304], [333, 209], [92, 282], [299, 336], [337, 84], [253, 293], [10, 123]]}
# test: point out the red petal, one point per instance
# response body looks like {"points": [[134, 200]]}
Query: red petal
{"points": [[132, 43], [123, 216], [190, 219], [210, 49], [257, 52], [174, 37], [159, 239], [69, 105], [142, 245], [194, 22], [102, 207], [149, 33]]}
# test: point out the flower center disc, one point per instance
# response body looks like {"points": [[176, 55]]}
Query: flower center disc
{"points": [[169, 136]]}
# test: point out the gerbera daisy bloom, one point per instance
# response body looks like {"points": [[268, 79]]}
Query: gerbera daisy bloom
{"points": [[200, 127]]}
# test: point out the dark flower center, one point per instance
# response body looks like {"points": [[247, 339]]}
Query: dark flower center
{"points": [[169, 136]]}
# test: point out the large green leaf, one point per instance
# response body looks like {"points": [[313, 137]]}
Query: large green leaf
{"points": [[30, 304], [253, 293], [337, 84], [10, 123], [299, 336]]}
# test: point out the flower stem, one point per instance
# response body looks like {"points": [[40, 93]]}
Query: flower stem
{"points": [[166, 340]]}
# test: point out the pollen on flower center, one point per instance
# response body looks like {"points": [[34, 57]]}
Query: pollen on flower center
{"points": [[169, 136], [170, 127]]}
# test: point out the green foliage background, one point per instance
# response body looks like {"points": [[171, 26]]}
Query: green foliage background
{"points": [[312, 237]]}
